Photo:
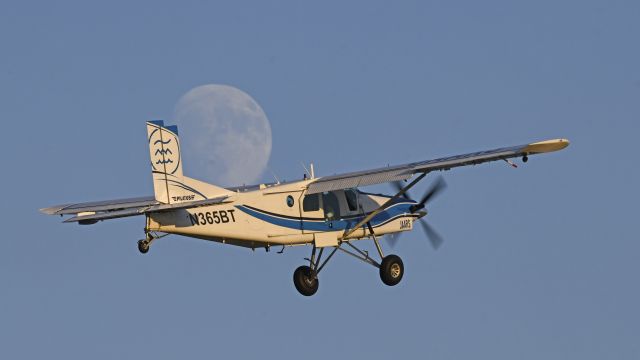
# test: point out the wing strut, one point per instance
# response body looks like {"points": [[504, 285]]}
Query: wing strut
{"points": [[384, 206]]}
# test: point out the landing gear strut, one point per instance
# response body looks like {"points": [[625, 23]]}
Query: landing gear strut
{"points": [[305, 278]]}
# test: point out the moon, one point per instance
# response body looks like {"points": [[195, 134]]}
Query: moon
{"points": [[225, 135]]}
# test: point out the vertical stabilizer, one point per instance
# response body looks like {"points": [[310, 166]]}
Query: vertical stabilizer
{"points": [[169, 183]]}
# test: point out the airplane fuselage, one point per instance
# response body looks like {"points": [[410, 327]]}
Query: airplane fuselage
{"points": [[285, 214]]}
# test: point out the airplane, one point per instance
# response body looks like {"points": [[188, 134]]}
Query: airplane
{"points": [[329, 212]]}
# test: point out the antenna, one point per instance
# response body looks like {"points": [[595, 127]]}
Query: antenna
{"points": [[313, 175], [274, 176], [305, 169]]}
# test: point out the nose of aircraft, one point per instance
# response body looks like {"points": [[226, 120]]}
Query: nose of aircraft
{"points": [[421, 214], [419, 209]]}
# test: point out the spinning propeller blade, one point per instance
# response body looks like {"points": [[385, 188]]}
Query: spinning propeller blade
{"points": [[434, 190], [398, 186], [433, 236], [438, 186]]}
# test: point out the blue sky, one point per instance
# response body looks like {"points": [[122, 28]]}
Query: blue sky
{"points": [[539, 262]]}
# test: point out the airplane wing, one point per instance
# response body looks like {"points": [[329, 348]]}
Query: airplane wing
{"points": [[406, 171], [92, 212]]}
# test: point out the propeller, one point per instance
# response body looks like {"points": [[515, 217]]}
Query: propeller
{"points": [[433, 236], [436, 188]]}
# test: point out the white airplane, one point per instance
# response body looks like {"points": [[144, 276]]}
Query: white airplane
{"points": [[324, 212]]}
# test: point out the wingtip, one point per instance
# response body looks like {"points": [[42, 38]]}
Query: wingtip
{"points": [[547, 146], [50, 210]]}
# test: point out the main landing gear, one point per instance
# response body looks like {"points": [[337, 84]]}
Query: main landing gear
{"points": [[305, 278]]}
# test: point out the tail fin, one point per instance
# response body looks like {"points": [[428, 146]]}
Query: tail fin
{"points": [[169, 184]]}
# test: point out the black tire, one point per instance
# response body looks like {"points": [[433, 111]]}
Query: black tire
{"points": [[305, 281], [143, 246], [391, 270]]}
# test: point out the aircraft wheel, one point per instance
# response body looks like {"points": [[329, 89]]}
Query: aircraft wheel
{"points": [[391, 270], [305, 281], [143, 246]]}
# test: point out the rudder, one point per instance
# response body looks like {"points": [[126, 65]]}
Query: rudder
{"points": [[169, 183]]}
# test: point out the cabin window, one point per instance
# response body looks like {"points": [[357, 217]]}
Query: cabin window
{"points": [[290, 201], [311, 203], [331, 206], [352, 199]]}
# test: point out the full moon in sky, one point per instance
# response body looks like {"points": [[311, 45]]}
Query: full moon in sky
{"points": [[224, 135]]}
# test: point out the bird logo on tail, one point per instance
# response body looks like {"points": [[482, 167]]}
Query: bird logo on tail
{"points": [[165, 150]]}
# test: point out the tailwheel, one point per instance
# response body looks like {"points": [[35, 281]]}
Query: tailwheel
{"points": [[305, 280], [391, 270], [143, 246]]}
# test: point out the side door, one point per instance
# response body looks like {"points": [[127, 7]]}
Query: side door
{"points": [[349, 212], [331, 205], [311, 213]]}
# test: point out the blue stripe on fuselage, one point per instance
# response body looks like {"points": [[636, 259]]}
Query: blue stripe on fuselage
{"points": [[321, 225]]}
